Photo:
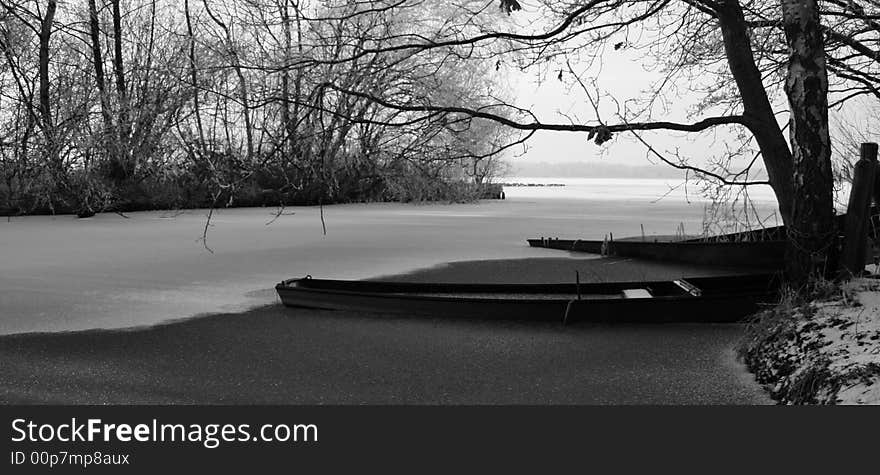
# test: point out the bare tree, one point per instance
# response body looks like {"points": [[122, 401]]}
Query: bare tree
{"points": [[764, 48]]}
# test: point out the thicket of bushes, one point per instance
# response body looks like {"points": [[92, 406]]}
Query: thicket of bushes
{"points": [[87, 193]]}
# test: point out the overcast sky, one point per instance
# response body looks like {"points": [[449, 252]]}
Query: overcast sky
{"points": [[624, 78]]}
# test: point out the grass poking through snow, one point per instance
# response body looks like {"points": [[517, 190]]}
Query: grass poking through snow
{"points": [[819, 345]]}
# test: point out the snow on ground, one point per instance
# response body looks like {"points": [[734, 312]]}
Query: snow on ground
{"points": [[846, 331]]}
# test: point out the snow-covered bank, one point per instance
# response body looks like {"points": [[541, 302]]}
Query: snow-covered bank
{"points": [[825, 351]]}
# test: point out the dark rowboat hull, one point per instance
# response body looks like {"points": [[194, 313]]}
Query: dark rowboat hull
{"points": [[766, 254], [761, 248], [706, 299]]}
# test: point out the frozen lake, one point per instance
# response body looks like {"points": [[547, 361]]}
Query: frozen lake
{"points": [[649, 190], [63, 273]]}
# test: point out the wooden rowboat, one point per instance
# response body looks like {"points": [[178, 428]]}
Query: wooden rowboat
{"points": [[760, 248], [700, 299], [754, 254]]}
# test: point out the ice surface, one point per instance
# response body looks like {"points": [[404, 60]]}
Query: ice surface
{"points": [[63, 273]]}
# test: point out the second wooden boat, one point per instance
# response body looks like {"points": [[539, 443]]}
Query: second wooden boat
{"points": [[760, 248], [755, 254]]}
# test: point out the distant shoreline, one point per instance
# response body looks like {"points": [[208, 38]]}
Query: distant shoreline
{"points": [[592, 169], [531, 184]]}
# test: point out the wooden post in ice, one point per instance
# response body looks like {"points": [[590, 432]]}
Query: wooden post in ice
{"points": [[856, 232], [877, 188]]}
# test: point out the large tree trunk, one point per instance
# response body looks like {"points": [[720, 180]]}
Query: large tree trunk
{"points": [[811, 229], [757, 109]]}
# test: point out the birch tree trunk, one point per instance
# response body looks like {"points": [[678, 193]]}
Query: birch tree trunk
{"points": [[811, 231]]}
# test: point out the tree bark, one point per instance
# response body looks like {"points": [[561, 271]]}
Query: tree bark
{"points": [[811, 231], [757, 109]]}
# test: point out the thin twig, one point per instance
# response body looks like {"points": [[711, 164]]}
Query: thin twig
{"points": [[279, 213], [323, 224], [204, 237]]}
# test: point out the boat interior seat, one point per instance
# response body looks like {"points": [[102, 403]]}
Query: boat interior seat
{"points": [[636, 294]]}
